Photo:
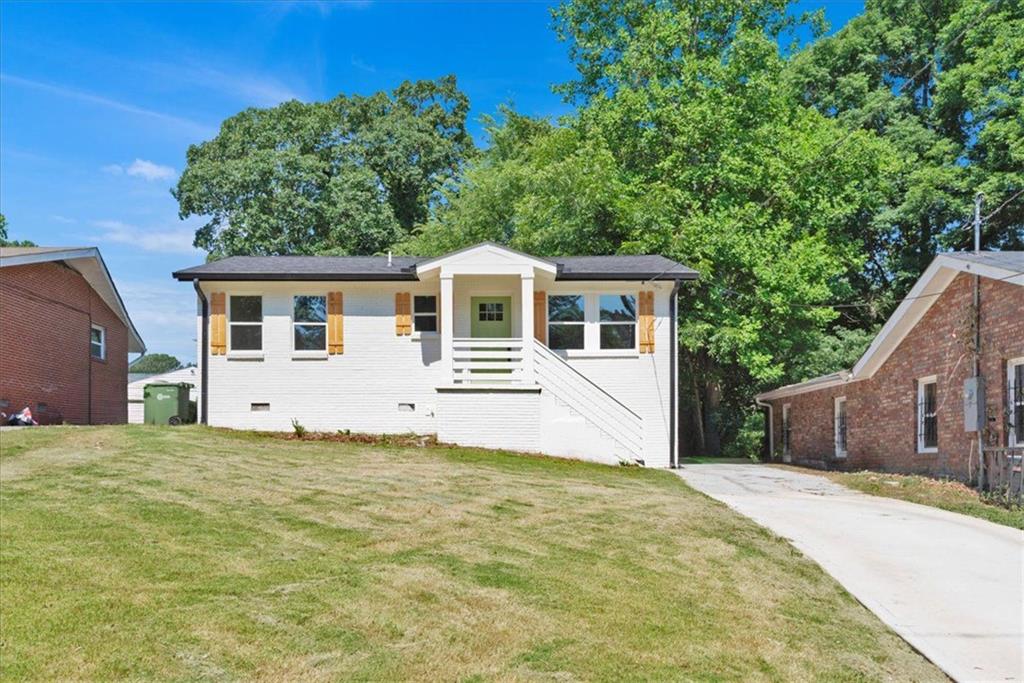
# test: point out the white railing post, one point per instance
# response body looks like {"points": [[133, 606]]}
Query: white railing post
{"points": [[527, 376], [447, 326]]}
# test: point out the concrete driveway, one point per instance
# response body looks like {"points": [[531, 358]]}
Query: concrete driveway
{"points": [[950, 585]]}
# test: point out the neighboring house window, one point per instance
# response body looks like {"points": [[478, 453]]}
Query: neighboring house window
{"points": [[1015, 400], [246, 321], [840, 431], [565, 321], [309, 320], [927, 415], [424, 310], [785, 431], [98, 342], [617, 317]]}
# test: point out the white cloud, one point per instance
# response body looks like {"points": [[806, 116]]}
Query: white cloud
{"points": [[140, 168], [252, 89], [150, 171], [62, 219], [177, 240], [363, 66], [192, 128]]}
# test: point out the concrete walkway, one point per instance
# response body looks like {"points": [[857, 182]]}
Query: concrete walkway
{"points": [[950, 585]]}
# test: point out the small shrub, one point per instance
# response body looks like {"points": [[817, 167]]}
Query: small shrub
{"points": [[300, 431], [749, 439]]}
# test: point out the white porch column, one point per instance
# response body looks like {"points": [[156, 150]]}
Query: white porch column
{"points": [[527, 318], [447, 326]]}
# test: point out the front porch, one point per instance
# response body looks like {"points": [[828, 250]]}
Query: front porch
{"points": [[486, 315]]}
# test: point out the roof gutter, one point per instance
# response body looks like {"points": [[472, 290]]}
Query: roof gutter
{"points": [[400, 276], [204, 353], [794, 389], [645, 277]]}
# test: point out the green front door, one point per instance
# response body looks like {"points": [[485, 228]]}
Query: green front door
{"points": [[491, 316]]}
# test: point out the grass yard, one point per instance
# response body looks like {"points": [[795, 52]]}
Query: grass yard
{"points": [[947, 495], [195, 554]]}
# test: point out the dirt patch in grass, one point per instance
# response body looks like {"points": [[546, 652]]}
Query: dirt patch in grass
{"points": [[946, 494], [193, 553]]}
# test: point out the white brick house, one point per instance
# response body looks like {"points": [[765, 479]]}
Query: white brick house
{"points": [[486, 346]]}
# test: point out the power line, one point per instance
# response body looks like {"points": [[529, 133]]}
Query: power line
{"points": [[1004, 204], [729, 290]]}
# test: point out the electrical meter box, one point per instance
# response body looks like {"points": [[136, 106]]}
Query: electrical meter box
{"points": [[974, 404]]}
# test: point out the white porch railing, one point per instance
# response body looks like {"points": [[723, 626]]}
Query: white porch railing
{"points": [[487, 361]]}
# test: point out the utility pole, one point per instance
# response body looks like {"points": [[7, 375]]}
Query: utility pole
{"points": [[978, 199]]}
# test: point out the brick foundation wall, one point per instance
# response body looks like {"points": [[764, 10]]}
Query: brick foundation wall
{"points": [[46, 311], [881, 411]]}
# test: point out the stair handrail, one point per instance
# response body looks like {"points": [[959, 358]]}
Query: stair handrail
{"points": [[589, 381]]}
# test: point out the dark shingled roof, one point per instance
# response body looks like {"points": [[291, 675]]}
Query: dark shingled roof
{"points": [[304, 268], [1008, 260], [404, 268], [641, 267]]}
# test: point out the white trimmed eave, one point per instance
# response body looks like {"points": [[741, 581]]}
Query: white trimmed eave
{"points": [[834, 380], [485, 259], [926, 291], [90, 265]]}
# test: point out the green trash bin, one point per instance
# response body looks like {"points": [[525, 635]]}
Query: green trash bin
{"points": [[165, 404]]}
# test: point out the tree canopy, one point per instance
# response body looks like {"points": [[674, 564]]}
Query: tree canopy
{"points": [[794, 177], [4, 242], [156, 363], [940, 82], [349, 176]]}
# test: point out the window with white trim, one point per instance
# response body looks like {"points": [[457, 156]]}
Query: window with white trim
{"points": [[98, 342], [424, 313], [840, 428], [1015, 401], [245, 319], [617, 318], [309, 323], [566, 321], [927, 415]]}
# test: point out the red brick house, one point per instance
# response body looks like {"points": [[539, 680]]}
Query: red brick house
{"points": [[65, 336], [901, 408]]}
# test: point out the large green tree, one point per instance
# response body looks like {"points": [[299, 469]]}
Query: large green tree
{"points": [[155, 363], [940, 80], [348, 176], [688, 142]]}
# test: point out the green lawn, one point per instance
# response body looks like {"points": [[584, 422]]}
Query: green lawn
{"points": [[192, 554], [945, 494]]}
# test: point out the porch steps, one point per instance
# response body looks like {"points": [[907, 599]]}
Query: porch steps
{"points": [[603, 414]]}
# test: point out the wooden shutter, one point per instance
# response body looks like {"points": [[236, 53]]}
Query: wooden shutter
{"points": [[218, 324], [335, 323], [403, 314], [646, 322], [540, 317]]}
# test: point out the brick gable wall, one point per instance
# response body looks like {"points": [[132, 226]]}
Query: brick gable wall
{"points": [[46, 311], [881, 411]]}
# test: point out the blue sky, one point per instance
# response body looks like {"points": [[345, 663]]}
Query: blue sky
{"points": [[99, 102]]}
